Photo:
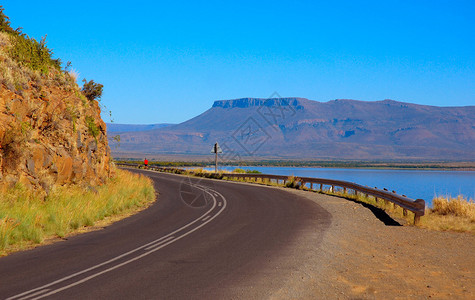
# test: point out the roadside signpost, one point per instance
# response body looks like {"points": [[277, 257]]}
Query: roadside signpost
{"points": [[216, 149]]}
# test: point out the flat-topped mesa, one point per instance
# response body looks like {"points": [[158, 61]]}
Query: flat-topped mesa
{"points": [[254, 102]]}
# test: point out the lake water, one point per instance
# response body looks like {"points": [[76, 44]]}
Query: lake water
{"points": [[415, 184]]}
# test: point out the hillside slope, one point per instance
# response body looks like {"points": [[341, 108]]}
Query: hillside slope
{"points": [[50, 133], [299, 128]]}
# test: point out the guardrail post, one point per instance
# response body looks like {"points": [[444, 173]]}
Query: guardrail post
{"points": [[321, 187], [417, 219], [344, 190]]}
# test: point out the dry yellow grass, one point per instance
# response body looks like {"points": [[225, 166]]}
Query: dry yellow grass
{"points": [[455, 214], [459, 206], [27, 219]]}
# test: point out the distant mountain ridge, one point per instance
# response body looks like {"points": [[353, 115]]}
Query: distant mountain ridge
{"points": [[298, 128], [114, 127], [250, 102]]}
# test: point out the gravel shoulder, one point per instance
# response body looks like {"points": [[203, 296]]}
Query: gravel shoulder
{"points": [[362, 258]]}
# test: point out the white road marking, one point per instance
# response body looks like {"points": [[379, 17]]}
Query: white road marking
{"points": [[159, 243], [162, 239], [35, 294], [220, 203], [205, 218]]}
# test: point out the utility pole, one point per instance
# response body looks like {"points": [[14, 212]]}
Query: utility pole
{"points": [[216, 161], [216, 149]]}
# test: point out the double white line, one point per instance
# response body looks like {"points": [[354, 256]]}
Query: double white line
{"points": [[149, 248]]}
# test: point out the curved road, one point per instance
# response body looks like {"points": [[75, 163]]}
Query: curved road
{"points": [[201, 239]]}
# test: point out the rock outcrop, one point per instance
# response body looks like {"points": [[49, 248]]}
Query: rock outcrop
{"points": [[57, 138], [50, 133]]}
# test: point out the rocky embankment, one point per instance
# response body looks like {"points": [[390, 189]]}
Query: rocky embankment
{"points": [[55, 138], [50, 132]]}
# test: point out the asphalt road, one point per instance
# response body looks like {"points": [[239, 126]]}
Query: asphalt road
{"points": [[202, 239]]}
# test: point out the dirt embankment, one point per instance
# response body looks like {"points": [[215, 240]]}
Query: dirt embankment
{"points": [[363, 258]]}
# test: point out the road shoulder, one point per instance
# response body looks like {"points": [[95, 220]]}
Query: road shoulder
{"points": [[361, 257]]}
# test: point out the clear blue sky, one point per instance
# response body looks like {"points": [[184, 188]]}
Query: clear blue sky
{"points": [[168, 61]]}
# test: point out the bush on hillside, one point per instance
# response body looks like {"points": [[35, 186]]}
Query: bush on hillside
{"points": [[28, 51], [5, 23], [92, 90]]}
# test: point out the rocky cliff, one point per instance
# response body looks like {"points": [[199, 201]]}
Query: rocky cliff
{"points": [[50, 133]]}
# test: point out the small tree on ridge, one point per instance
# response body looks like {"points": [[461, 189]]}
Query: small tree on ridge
{"points": [[92, 90]]}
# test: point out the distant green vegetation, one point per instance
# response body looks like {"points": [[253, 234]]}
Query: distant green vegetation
{"points": [[315, 164], [166, 163], [239, 170]]}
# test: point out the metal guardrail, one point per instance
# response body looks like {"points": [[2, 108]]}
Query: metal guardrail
{"points": [[416, 206], [407, 204]]}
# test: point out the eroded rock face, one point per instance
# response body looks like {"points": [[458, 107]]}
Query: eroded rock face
{"points": [[52, 137]]}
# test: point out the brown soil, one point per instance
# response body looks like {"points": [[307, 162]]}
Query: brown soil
{"points": [[362, 258]]}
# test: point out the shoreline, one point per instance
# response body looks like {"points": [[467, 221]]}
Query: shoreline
{"points": [[430, 166]]}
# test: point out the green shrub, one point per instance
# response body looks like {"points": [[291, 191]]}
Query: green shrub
{"points": [[33, 54], [293, 182], [25, 59], [253, 172], [5, 23], [28, 51], [91, 126], [25, 127], [92, 90], [239, 170]]}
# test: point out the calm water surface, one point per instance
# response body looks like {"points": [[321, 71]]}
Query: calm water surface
{"points": [[423, 184]]}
